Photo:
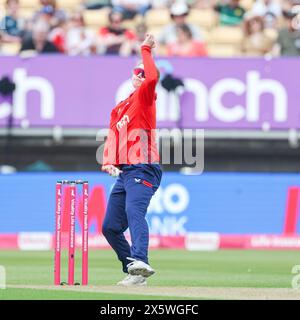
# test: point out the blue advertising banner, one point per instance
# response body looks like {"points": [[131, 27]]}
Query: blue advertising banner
{"points": [[227, 203]]}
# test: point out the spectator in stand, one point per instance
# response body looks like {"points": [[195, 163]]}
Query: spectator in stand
{"points": [[133, 46], [79, 40], [73, 38], [12, 23], [185, 45], [269, 9], [230, 12], [38, 41], [114, 36], [130, 8], [288, 42], [255, 42], [178, 12], [50, 12], [58, 36]]}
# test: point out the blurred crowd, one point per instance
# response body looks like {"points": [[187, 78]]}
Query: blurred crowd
{"points": [[189, 28]]}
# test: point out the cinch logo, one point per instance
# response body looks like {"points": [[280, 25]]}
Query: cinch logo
{"points": [[209, 101], [171, 201], [123, 122], [25, 85]]}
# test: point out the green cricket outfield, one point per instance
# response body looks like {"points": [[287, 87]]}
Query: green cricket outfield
{"points": [[225, 274]]}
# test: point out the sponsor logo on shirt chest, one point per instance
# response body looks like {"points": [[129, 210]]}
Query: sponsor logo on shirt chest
{"points": [[120, 124]]}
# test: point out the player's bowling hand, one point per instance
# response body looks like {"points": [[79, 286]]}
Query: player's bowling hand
{"points": [[149, 41], [111, 170]]}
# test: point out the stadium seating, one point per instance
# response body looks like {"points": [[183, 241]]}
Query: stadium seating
{"points": [[203, 18], [33, 4], [155, 30], [131, 24], [204, 35], [10, 48], [157, 17], [69, 5], [29, 7], [96, 18], [226, 35], [247, 4], [272, 34], [223, 50], [27, 13], [63, 4]]}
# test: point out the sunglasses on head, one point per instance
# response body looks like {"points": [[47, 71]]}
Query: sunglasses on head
{"points": [[139, 72]]}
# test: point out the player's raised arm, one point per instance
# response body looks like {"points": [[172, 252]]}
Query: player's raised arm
{"points": [[147, 89]]}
